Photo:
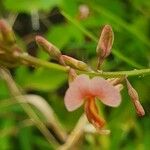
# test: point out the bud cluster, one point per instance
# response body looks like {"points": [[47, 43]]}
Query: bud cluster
{"points": [[103, 51], [82, 89], [56, 54], [8, 47]]}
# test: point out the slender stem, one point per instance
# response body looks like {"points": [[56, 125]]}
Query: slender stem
{"points": [[43, 107], [75, 135], [140, 72], [41, 63]]}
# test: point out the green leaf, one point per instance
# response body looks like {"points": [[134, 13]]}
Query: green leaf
{"points": [[25, 138], [4, 92], [70, 6], [6, 128], [61, 35], [41, 143], [41, 79], [30, 5]]}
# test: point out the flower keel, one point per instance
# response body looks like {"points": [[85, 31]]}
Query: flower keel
{"points": [[92, 114]]}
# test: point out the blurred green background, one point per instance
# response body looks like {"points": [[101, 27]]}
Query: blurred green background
{"points": [[74, 26]]}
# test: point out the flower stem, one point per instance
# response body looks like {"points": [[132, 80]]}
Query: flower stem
{"points": [[42, 63], [135, 72]]}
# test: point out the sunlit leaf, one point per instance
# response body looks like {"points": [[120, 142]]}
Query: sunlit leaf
{"points": [[30, 5]]}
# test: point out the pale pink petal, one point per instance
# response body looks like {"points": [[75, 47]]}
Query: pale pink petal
{"points": [[82, 82], [104, 91], [73, 99], [76, 93]]}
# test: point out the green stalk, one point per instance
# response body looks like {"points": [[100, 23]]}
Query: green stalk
{"points": [[42, 63]]}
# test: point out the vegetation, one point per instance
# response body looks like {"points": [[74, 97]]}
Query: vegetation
{"points": [[41, 40]]}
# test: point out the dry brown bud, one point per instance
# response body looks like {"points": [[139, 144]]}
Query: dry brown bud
{"points": [[135, 99]]}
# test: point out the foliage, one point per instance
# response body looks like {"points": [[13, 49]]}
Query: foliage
{"points": [[61, 23]]}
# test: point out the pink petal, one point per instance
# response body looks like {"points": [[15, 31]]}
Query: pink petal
{"points": [[103, 90], [76, 93]]}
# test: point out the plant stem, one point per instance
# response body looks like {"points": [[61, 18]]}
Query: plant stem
{"points": [[140, 72], [75, 135], [42, 63], [43, 107]]}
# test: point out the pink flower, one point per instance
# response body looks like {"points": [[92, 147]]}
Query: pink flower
{"points": [[84, 90]]}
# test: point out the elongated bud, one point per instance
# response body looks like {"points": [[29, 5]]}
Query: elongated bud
{"points": [[135, 99], [75, 63], [105, 43], [48, 47], [72, 75], [115, 81], [7, 32]]}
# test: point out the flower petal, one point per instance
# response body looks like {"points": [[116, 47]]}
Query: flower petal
{"points": [[103, 90], [76, 93]]}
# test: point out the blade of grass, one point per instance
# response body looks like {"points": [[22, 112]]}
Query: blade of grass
{"points": [[44, 108], [110, 15], [75, 135], [4, 73], [95, 39]]}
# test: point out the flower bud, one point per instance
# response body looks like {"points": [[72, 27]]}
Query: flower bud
{"points": [[135, 99], [7, 33], [105, 43], [48, 47], [84, 11], [75, 63], [72, 75]]}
